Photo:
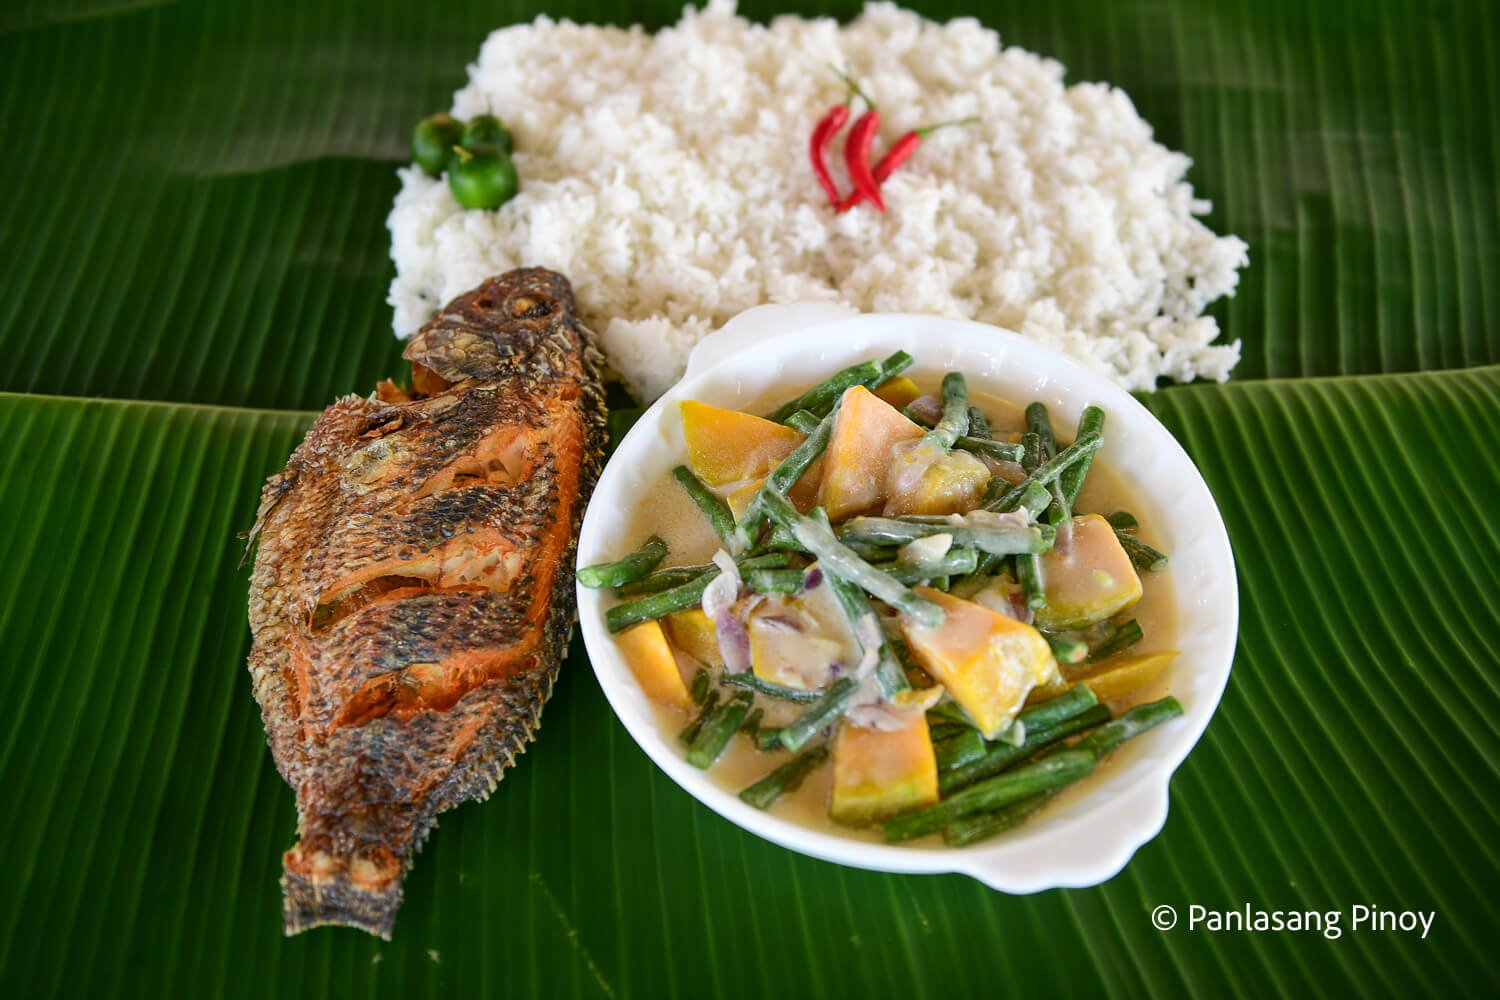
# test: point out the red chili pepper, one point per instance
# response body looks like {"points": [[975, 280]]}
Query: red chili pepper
{"points": [[817, 147], [897, 155], [857, 157]]}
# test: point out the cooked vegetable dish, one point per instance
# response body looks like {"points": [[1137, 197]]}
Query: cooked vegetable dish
{"points": [[901, 593]]}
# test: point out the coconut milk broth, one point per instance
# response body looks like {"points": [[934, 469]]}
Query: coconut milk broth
{"points": [[668, 512]]}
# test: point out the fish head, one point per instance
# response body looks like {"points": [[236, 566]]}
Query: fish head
{"points": [[501, 326]]}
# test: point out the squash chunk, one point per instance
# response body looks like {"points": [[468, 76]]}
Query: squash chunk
{"points": [[693, 632], [988, 662], [1121, 674], [878, 774], [859, 454], [953, 483], [1089, 580], [804, 494], [900, 392], [727, 446], [645, 649]]}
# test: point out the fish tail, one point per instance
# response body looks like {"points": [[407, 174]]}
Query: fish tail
{"points": [[319, 889]]}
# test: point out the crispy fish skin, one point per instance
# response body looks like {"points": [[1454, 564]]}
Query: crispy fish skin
{"points": [[413, 588]]}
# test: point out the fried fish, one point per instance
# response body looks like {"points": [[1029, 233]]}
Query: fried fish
{"points": [[412, 591]]}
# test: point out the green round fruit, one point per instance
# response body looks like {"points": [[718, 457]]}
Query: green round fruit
{"points": [[432, 142], [487, 131], [483, 178]]}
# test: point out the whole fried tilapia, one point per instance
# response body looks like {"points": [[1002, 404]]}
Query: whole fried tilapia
{"points": [[412, 591]]}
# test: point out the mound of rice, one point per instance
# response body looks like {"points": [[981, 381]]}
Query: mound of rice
{"points": [[666, 174]]}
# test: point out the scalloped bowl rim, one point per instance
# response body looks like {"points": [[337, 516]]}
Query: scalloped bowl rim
{"points": [[1082, 839]]}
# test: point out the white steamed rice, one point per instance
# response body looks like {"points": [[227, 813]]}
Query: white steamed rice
{"points": [[666, 174]]}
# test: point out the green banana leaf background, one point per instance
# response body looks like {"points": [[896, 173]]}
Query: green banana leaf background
{"points": [[194, 261]]}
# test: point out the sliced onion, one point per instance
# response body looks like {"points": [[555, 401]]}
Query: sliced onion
{"points": [[734, 641], [724, 589], [929, 408]]}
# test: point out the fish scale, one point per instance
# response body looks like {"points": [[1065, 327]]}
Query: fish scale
{"points": [[412, 595]]}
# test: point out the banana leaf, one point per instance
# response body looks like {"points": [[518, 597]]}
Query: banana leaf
{"points": [[194, 261]]}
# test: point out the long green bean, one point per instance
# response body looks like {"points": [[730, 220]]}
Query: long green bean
{"points": [[1143, 556], [981, 826], [837, 560], [717, 730], [1054, 711], [1046, 472], [674, 576], [979, 425], [955, 421], [822, 396], [1122, 520], [1040, 776], [1002, 756], [774, 581], [888, 672], [705, 710], [679, 598], [1130, 724], [1091, 424], [785, 476], [822, 713], [955, 562], [712, 505], [1118, 638], [751, 682], [803, 421], [634, 566], [1004, 538], [786, 778], [965, 748]]}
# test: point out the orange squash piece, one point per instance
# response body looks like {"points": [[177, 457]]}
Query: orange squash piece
{"points": [[989, 662], [877, 774], [900, 392], [859, 453], [727, 446], [645, 648]]}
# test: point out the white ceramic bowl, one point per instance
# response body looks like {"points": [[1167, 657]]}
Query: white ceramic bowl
{"points": [[772, 351]]}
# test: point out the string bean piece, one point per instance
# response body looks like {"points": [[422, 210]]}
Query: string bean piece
{"points": [[1122, 520], [712, 505], [1005, 538], [634, 566], [1039, 776], [888, 672], [1091, 424], [803, 421], [701, 684], [717, 730], [837, 560], [956, 562], [1046, 472], [673, 576], [1143, 556], [769, 738], [1119, 638], [967, 747], [1003, 451], [786, 778], [785, 476], [981, 826], [1130, 724], [821, 714], [1066, 649], [1002, 756], [679, 598], [751, 726], [710, 702], [1040, 424], [774, 581], [751, 682], [1029, 575], [979, 425], [955, 421], [1070, 704], [822, 396]]}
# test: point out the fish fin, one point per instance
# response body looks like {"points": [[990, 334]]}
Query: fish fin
{"points": [[334, 898]]}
